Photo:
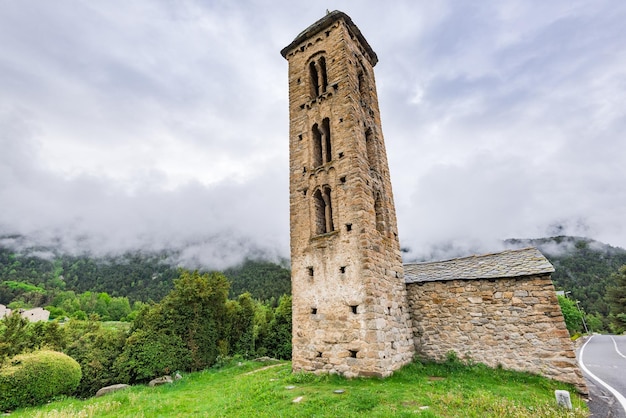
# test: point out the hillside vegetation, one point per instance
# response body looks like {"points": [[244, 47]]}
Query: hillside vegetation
{"points": [[40, 277], [251, 389], [36, 275]]}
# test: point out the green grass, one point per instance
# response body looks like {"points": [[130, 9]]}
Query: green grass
{"points": [[249, 390]]}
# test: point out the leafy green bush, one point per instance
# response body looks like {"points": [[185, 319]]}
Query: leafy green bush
{"points": [[35, 378], [571, 314], [95, 348]]}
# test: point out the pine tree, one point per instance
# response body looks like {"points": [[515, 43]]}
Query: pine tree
{"points": [[616, 296]]}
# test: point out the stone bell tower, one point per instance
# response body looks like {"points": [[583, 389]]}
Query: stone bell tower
{"points": [[350, 311]]}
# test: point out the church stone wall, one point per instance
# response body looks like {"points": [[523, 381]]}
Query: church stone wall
{"points": [[514, 322]]}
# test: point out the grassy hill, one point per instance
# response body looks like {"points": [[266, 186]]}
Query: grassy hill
{"points": [[252, 389]]}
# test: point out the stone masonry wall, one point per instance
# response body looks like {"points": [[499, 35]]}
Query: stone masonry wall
{"points": [[350, 312], [515, 322]]}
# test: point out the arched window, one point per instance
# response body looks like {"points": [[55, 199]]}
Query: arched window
{"points": [[323, 211], [323, 75], [318, 77], [318, 140], [322, 150], [314, 79]]}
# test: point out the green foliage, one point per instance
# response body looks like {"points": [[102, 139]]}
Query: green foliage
{"points": [[572, 316], [150, 353], [13, 336], [181, 332], [597, 322], [18, 335], [278, 343], [23, 286], [95, 348], [264, 280], [616, 295], [241, 330], [36, 378]]}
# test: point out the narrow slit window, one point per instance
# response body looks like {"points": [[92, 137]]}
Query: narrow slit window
{"points": [[378, 209], [310, 271], [354, 308], [318, 141], [348, 227], [372, 149], [314, 79], [323, 75], [326, 141]]}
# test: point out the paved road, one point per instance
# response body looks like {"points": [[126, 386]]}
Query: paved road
{"points": [[603, 360]]}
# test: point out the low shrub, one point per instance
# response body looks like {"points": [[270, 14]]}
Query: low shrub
{"points": [[35, 378]]}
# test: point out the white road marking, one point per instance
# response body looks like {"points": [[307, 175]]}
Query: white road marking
{"points": [[620, 398], [617, 349]]}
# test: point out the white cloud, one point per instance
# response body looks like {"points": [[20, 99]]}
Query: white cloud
{"points": [[148, 124]]}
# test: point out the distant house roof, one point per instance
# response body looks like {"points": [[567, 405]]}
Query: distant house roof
{"points": [[505, 264]]}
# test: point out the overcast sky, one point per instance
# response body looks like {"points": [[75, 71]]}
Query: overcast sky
{"points": [[148, 124]]}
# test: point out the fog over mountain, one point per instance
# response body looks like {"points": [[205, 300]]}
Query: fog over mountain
{"points": [[151, 125]]}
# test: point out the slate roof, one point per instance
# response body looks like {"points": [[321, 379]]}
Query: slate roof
{"points": [[505, 264], [325, 22]]}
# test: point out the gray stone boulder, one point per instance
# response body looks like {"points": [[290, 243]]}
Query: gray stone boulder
{"points": [[110, 389], [163, 380]]}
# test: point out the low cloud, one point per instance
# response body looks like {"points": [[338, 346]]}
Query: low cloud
{"points": [[151, 126]]}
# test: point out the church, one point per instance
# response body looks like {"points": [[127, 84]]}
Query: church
{"points": [[357, 310]]}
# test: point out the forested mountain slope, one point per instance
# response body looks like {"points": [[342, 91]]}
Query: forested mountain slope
{"points": [[583, 266], [41, 272]]}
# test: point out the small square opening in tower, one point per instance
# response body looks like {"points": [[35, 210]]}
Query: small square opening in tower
{"points": [[348, 227], [342, 269], [354, 308], [353, 353], [310, 271], [319, 354], [313, 311], [342, 179]]}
